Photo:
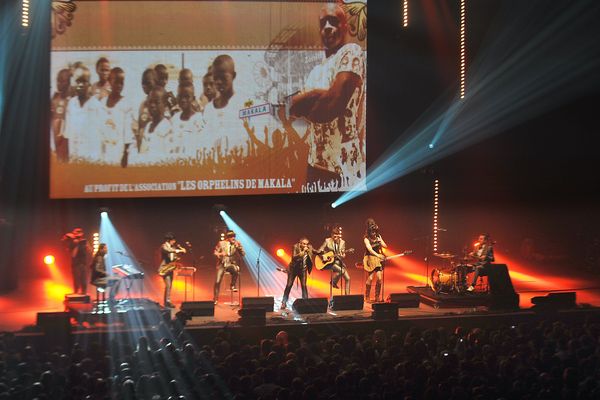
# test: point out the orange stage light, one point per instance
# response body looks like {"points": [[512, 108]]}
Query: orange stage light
{"points": [[49, 259], [280, 253]]}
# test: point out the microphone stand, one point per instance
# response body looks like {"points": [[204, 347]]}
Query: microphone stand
{"points": [[258, 273], [427, 245]]}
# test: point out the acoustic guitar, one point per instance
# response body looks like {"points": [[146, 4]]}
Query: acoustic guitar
{"points": [[325, 260], [370, 262]]}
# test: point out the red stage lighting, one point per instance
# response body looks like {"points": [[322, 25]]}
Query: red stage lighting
{"points": [[49, 259], [280, 253]]}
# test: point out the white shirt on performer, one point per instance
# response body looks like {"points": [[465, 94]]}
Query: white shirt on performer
{"points": [[82, 130], [116, 124], [187, 135]]}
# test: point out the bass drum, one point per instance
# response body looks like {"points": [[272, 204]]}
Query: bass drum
{"points": [[443, 281]]}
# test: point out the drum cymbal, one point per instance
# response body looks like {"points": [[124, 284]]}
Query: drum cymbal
{"points": [[444, 255]]}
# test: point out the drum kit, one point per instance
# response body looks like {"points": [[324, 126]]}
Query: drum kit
{"points": [[452, 279]]}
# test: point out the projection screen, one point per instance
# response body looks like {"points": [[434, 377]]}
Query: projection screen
{"points": [[196, 98]]}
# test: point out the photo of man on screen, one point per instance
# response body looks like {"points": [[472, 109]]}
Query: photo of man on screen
{"points": [[333, 103]]}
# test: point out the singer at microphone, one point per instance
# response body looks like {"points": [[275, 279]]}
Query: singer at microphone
{"points": [[228, 252]]}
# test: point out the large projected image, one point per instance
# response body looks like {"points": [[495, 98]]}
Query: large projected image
{"points": [[185, 98]]}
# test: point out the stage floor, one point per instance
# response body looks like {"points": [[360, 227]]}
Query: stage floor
{"points": [[19, 308]]}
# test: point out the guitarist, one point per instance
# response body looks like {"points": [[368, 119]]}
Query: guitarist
{"points": [[337, 245], [300, 266], [374, 246], [168, 255], [228, 253]]}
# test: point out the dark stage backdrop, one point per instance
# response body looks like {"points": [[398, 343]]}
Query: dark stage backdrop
{"points": [[538, 180]]}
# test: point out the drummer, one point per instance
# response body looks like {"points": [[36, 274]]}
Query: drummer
{"points": [[483, 253]]}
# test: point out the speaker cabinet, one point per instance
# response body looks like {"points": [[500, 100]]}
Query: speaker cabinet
{"points": [[268, 303], [502, 292], [310, 306], [555, 301], [405, 300], [347, 302], [252, 316], [499, 280], [198, 308], [384, 311], [56, 327]]}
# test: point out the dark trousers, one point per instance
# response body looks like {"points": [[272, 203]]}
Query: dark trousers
{"points": [[480, 270], [294, 273], [168, 279], [233, 269], [80, 280]]}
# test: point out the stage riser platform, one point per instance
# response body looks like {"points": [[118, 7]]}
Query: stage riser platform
{"points": [[466, 300]]}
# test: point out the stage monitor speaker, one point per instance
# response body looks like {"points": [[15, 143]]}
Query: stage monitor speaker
{"points": [[384, 311], [310, 306], [555, 301], [198, 308], [347, 302], [405, 300], [56, 327], [251, 315], [267, 302]]}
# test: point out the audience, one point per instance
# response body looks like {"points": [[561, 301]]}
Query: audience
{"points": [[549, 360]]}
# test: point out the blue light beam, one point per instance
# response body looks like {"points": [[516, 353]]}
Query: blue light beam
{"points": [[533, 62], [272, 282]]}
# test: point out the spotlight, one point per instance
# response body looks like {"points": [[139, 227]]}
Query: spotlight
{"points": [[430, 145], [49, 259], [221, 213], [333, 205], [104, 211], [25, 13], [280, 252], [220, 208]]}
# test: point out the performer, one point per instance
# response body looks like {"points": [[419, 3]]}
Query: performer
{"points": [[484, 254], [79, 249], [374, 259], [337, 245], [168, 254], [100, 277], [299, 266], [228, 253]]}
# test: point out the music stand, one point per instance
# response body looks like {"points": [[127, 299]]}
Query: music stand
{"points": [[187, 273]]}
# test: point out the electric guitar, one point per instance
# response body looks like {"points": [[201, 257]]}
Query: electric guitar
{"points": [[326, 259], [370, 262]]}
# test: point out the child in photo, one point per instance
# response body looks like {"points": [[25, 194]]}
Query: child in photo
{"points": [[117, 122]]}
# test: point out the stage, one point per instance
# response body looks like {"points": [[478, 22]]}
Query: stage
{"points": [[19, 309]]}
